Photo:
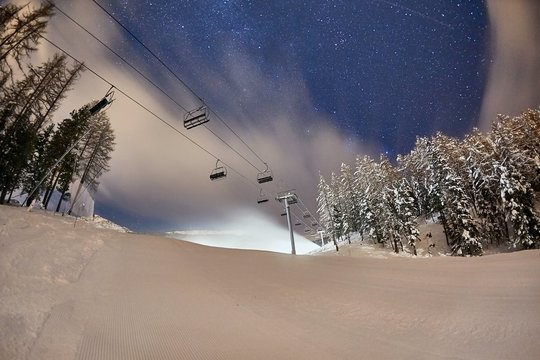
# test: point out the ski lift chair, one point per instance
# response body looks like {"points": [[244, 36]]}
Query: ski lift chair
{"points": [[314, 223], [103, 103], [306, 215], [220, 172], [306, 230], [283, 214], [265, 176], [262, 197], [196, 117], [298, 223]]}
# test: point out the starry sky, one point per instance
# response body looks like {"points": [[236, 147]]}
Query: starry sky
{"points": [[307, 85], [381, 71]]}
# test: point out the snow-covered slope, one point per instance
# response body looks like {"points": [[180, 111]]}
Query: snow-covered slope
{"points": [[79, 292]]}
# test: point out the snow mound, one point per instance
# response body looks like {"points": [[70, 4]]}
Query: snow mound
{"points": [[103, 223]]}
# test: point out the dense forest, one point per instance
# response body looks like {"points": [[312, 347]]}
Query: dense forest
{"points": [[38, 153], [481, 189]]}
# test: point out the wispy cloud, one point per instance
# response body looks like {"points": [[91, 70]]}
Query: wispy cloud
{"points": [[156, 173], [513, 81]]}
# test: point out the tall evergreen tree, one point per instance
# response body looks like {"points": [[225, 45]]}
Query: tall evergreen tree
{"points": [[21, 29], [94, 158]]}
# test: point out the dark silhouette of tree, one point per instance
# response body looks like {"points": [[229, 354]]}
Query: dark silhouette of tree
{"points": [[20, 31]]}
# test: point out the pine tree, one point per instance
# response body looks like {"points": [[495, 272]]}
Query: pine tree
{"points": [[20, 32], [404, 210], [37, 166], [349, 198], [68, 134], [324, 205], [94, 159], [456, 205], [517, 168], [37, 96]]}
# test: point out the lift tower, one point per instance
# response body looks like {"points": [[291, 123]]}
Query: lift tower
{"points": [[288, 198]]}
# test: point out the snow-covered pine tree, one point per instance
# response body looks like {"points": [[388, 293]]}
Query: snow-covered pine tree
{"points": [[341, 226], [484, 185], [416, 168], [405, 210], [517, 197], [516, 168], [349, 199], [456, 206], [387, 177], [325, 206], [368, 185]]}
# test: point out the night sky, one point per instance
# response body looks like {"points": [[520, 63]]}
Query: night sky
{"points": [[307, 85], [381, 71]]}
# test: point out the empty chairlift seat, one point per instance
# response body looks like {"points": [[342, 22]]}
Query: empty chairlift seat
{"points": [[306, 215], [262, 197], [265, 176], [196, 117], [220, 172]]}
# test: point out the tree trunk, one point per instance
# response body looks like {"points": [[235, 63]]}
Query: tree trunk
{"points": [[61, 199], [51, 191], [48, 190], [443, 222], [3, 194]]}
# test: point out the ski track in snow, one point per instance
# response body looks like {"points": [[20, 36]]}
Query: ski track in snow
{"points": [[84, 293]]}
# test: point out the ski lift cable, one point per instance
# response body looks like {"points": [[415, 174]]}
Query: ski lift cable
{"points": [[147, 49], [175, 76], [161, 90], [230, 147], [238, 136], [148, 110], [303, 211], [298, 219], [118, 56], [304, 205], [138, 103], [150, 81]]}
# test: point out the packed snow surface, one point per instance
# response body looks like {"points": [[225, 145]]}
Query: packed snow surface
{"points": [[76, 291]]}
